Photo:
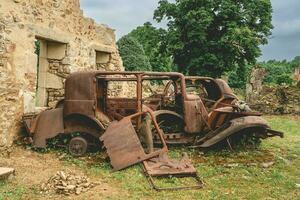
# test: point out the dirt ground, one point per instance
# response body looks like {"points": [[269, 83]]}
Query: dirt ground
{"points": [[33, 168]]}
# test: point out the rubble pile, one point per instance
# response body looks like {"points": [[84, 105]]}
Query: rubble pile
{"points": [[278, 100], [67, 183]]}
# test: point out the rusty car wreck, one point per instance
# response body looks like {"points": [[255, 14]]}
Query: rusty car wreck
{"points": [[196, 111]]}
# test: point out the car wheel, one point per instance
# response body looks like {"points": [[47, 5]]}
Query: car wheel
{"points": [[78, 146]]}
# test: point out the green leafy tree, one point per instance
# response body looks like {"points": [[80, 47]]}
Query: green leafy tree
{"points": [[133, 54], [210, 37], [152, 39], [279, 72], [296, 62], [238, 77]]}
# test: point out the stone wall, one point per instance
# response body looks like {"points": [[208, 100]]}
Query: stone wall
{"points": [[296, 75], [255, 85], [68, 42], [271, 99]]}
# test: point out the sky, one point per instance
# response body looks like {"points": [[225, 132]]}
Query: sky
{"points": [[125, 15]]}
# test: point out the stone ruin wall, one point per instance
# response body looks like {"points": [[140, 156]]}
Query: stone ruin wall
{"points": [[272, 99], [278, 100], [69, 42]]}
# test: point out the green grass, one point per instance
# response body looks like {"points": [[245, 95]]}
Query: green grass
{"points": [[247, 179], [227, 175], [11, 193]]}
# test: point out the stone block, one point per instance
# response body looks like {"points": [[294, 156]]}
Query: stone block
{"points": [[56, 50], [103, 48], [5, 172], [29, 102], [49, 34], [31, 60], [66, 61], [54, 81]]}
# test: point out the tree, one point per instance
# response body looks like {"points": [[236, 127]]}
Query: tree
{"points": [[152, 39], [238, 78], [296, 62], [210, 37], [133, 54], [279, 72]]}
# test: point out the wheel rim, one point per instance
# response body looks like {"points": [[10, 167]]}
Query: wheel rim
{"points": [[78, 146]]}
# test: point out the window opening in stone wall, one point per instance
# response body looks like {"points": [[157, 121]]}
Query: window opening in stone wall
{"points": [[50, 72], [102, 60]]}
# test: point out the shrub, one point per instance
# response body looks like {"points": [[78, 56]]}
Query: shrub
{"points": [[133, 54]]}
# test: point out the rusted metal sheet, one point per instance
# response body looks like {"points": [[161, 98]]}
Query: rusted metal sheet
{"points": [[123, 145], [234, 126], [80, 94], [224, 87], [195, 114], [48, 125], [29, 122], [163, 166]]}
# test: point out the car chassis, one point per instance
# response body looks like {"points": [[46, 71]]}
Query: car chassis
{"points": [[207, 118]]}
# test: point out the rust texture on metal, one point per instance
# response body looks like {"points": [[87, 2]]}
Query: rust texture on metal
{"points": [[88, 108], [234, 126], [48, 125], [123, 145], [163, 166], [80, 94], [195, 114]]}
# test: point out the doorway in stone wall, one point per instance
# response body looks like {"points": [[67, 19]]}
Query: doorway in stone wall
{"points": [[47, 51]]}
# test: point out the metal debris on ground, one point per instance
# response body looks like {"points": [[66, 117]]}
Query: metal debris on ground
{"points": [[163, 166], [67, 183]]}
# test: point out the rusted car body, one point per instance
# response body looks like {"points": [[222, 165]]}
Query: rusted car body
{"points": [[205, 115]]}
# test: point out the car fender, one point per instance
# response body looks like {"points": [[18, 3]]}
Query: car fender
{"points": [[83, 123], [48, 124], [236, 125]]}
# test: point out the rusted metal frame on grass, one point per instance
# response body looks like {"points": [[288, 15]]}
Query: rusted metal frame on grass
{"points": [[162, 166], [151, 181]]}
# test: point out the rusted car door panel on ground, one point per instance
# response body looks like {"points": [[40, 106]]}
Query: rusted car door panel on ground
{"points": [[162, 166], [123, 145], [124, 149]]}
